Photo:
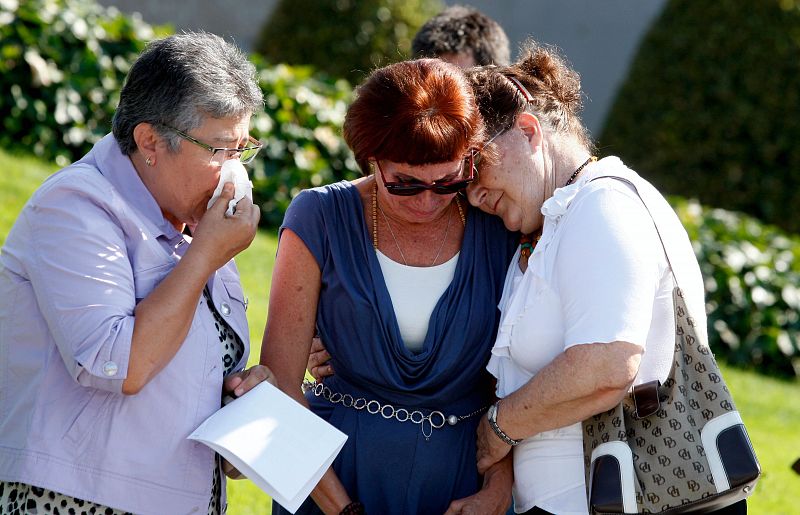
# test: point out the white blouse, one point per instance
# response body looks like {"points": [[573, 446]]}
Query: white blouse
{"points": [[597, 275]]}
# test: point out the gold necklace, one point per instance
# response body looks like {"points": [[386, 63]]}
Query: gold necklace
{"points": [[396, 244], [376, 207]]}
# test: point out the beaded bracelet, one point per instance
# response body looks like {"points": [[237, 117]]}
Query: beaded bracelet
{"points": [[354, 508]]}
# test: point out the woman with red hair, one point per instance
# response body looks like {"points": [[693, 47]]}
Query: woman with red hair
{"points": [[401, 279]]}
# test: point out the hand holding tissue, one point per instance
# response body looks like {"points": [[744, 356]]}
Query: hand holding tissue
{"points": [[233, 171]]}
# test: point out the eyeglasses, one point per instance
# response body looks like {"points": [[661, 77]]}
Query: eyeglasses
{"points": [[478, 154], [407, 189], [222, 154]]}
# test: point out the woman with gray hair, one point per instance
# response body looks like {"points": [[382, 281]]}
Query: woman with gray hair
{"points": [[119, 333]]}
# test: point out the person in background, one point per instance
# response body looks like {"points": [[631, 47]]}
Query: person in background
{"points": [[587, 307], [119, 334], [401, 280], [463, 36]]}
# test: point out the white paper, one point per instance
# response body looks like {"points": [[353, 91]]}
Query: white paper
{"points": [[274, 441], [233, 171]]}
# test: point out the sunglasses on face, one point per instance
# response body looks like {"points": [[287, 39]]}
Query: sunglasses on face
{"points": [[407, 189]]}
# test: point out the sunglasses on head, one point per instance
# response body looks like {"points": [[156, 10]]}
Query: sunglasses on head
{"points": [[407, 189]]}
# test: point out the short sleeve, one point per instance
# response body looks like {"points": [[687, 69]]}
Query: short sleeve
{"points": [[305, 218], [609, 268]]}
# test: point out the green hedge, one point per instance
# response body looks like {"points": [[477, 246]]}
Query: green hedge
{"points": [[344, 38], [62, 64], [301, 130], [752, 275], [710, 106]]}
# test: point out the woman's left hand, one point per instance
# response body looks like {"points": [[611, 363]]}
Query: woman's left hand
{"points": [[488, 501], [242, 382], [493, 498], [491, 448]]}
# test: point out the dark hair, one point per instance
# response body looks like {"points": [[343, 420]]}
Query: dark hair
{"points": [[180, 80], [459, 29], [415, 112], [553, 84]]}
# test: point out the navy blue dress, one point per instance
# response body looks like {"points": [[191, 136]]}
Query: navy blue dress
{"points": [[388, 465]]}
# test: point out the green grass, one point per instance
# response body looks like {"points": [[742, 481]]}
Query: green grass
{"points": [[255, 266], [21, 176], [770, 407]]}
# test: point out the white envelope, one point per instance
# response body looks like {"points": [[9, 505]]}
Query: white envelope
{"points": [[274, 441]]}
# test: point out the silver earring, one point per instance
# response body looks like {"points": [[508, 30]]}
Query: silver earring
{"points": [[149, 161]]}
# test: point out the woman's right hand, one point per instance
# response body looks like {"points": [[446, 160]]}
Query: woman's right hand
{"points": [[319, 361], [219, 238]]}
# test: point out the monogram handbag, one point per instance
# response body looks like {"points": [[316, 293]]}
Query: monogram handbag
{"points": [[672, 448]]}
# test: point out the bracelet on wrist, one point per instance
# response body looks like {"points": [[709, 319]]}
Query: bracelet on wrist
{"points": [[354, 508], [492, 416]]}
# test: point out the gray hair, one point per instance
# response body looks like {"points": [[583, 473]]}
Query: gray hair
{"points": [[180, 80]]}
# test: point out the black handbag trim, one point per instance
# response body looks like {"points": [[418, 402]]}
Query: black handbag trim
{"points": [[736, 453], [623, 484], [607, 478]]}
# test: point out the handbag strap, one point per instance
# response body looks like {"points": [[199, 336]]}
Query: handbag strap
{"points": [[647, 397]]}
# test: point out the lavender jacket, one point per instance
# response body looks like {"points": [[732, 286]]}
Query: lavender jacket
{"points": [[88, 246]]}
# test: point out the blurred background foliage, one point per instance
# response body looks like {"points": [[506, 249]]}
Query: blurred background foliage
{"points": [[301, 131], [709, 109], [752, 280], [344, 38], [62, 63]]}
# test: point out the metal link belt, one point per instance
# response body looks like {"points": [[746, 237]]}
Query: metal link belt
{"points": [[435, 419]]}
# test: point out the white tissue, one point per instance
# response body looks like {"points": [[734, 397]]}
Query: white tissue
{"points": [[233, 171]]}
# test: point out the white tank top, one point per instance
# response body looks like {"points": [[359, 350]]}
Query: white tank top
{"points": [[415, 291]]}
